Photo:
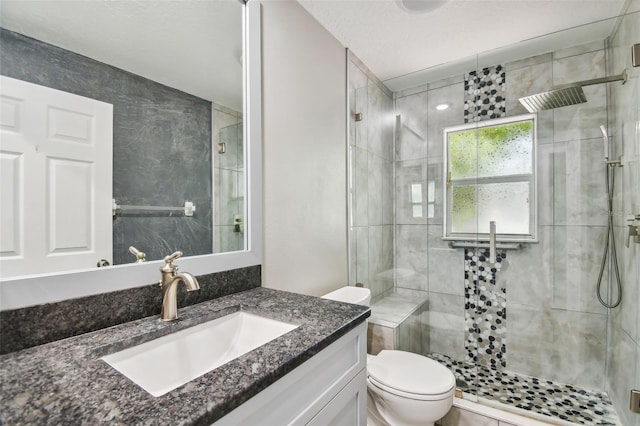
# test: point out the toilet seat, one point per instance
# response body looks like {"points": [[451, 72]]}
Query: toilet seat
{"points": [[414, 396], [410, 375]]}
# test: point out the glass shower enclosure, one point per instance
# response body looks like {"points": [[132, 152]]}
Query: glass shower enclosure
{"points": [[513, 312]]}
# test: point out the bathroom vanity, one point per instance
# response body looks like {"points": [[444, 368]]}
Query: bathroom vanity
{"points": [[311, 375]]}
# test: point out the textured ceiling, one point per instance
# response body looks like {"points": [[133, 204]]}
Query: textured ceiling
{"points": [[195, 45], [191, 45], [394, 43]]}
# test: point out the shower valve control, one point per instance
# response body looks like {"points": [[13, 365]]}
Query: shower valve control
{"points": [[633, 230]]}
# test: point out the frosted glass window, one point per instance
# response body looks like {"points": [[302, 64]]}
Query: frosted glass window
{"points": [[491, 151], [490, 176], [476, 205], [463, 209]]}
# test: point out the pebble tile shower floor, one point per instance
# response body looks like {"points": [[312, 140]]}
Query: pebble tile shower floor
{"points": [[553, 399]]}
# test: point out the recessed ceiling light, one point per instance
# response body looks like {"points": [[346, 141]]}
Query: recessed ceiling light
{"points": [[419, 6], [442, 107]]}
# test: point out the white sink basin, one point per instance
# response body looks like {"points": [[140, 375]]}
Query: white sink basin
{"points": [[168, 362]]}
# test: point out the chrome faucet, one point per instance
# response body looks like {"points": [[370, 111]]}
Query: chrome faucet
{"points": [[169, 283]]}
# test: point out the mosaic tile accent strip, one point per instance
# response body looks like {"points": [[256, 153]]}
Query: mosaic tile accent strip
{"points": [[485, 310], [531, 394], [484, 94]]}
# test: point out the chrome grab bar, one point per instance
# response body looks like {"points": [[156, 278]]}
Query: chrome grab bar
{"points": [[188, 209], [492, 242]]}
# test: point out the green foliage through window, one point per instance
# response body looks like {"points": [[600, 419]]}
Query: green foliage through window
{"points": [[491, 177], [489, 151]]}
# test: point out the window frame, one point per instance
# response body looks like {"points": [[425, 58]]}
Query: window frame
{"points": [[448, 184]]}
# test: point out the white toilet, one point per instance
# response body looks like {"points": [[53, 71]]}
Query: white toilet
{"points": [[351, 294], [404, 389]]}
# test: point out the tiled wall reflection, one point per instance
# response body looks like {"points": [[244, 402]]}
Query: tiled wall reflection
{"points": [[228, 181]]}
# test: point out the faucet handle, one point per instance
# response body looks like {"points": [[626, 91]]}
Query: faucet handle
{"points": [[168, 262], [140, 256], [169, 259]]}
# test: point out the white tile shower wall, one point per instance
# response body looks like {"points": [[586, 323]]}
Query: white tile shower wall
{"points": [[423, 260], [552, 283], [380, 259], [443, 260], [411, 333], [556, 328], [624, 130], [371, 192], [411, 269], [444, 325]]}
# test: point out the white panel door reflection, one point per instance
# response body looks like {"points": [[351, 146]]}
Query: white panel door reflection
{"points": [[56, 169]]}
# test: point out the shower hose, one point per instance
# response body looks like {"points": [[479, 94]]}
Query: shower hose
{"points": [[610, 243]]}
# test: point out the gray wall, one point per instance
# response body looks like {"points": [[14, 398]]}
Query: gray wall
{"points": [[161, 144], [304, 145]]}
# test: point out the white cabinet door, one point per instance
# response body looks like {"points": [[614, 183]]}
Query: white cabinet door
{"points": [[56, 174], [347, 408], [331, 386]]}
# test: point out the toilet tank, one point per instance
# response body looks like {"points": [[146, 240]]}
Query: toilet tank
{"points": [[350, 294]]}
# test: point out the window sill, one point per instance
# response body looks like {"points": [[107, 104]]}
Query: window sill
{"points": [[482, 244]]}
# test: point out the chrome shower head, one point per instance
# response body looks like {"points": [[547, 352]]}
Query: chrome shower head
{"points": [[554, 98], [569, 94]]}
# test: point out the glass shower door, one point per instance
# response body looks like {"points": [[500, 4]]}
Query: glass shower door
{"points": [[541, 344]]}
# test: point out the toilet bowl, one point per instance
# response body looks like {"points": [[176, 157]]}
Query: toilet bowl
{"points": [[407, 389], [403, 388]]}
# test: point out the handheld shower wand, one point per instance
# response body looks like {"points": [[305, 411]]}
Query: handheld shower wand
{"points": [[610, 242]]}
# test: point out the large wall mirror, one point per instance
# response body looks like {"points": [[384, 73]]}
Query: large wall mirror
{"points": [[173, 90]]}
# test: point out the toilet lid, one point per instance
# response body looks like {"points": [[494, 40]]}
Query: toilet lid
{"points": [[410, 373]]}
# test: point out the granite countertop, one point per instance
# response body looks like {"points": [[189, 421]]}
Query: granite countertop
{"points": [[66, 382]]}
